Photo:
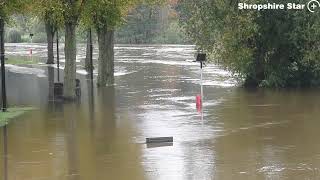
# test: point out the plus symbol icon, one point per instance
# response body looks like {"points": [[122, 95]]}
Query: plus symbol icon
{"points": [[312, 5]]}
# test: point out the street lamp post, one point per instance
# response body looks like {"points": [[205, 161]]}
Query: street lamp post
{"points": [[3, 70], [58, 57], [91, 55]]}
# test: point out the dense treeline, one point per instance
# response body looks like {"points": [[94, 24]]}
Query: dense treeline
{"points": [[151, 24], [145, 24], [271, 48]]}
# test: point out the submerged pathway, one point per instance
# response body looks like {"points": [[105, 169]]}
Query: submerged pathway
{"points": [[244, 135]]}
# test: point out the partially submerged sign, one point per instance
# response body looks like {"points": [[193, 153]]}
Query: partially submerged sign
{"points": [[159, 140], [201, 57]]}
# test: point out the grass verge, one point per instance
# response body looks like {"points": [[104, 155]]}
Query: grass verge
{"points": [[19, 60], [13, 113]]}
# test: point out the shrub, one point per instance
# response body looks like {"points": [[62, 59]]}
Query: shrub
{"points": [[265, 48], [14, 36], [40, 38]]}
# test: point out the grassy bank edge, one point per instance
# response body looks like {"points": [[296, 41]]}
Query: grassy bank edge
{"points": [[21, 60], [12, 113]]}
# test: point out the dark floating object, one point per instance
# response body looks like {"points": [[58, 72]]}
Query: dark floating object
{"points": [[201, 57], [159, 140]]}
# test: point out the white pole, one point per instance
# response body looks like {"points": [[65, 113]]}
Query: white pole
{"points": [[31, 51], [202, 97]]}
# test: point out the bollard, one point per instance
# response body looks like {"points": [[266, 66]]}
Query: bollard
{"points": [[58, 90], [78, 88]]}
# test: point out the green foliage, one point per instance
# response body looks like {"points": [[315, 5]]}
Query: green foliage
{"points": [[13, 113], [26, 25], [22, 60], [72, 10], [40, 37], [151, 24], [271, 48], [9, 7], [141, 25], [172, 34], [103, 14], [109, 13], [14, 36], [50, 12]]}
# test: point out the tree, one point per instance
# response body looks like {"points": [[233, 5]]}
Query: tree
{"points": [[105, 16], [142, 25], [56, 13], [273, 48], [89, 42], [152, 23], [71, 14], [50, 12], [7, 8]]}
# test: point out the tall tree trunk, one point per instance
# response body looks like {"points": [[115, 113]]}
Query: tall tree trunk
{"points": [[50, 83], [70, 50], [87, 60], [50, 35], [106, 57]]}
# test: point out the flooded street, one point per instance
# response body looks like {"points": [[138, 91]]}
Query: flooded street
{"points": [[244, 135]]}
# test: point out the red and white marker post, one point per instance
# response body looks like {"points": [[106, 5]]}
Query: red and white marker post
{"points": [[199, 98], [30, 50]]}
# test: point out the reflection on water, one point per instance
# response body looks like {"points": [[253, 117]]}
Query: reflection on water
{"points": [[4, 153], [246, 134]]}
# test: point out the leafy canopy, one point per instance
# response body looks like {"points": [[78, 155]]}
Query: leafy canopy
{"points": [[273, 48], [109, 13], [9, 7], [49, 11]]}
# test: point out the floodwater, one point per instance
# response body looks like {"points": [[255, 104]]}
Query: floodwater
{"points": [[244, 134]]}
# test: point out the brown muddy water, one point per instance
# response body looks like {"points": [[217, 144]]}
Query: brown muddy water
{"points": [[244, 135]]}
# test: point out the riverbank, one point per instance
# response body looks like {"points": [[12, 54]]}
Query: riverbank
{"points": [[12, 113]]}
